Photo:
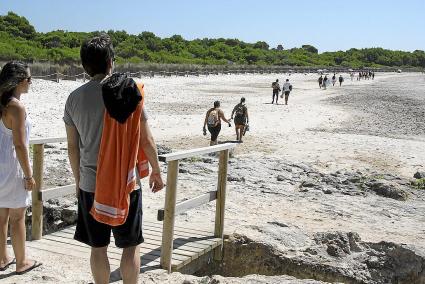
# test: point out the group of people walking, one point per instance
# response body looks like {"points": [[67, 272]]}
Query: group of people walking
{"points": [[215, 115], [286, 90], [366, 75], [105, 121], [324, 82]]}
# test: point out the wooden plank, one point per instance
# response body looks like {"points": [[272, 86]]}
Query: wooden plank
{"points": [[168, 224], [38, 141], [84, 253], [180, 228], [37, 204], [178, 231], [191, 247], [221, 201], [195, 152], [57, 192], [181, 234], [149, 253], [187, 229], [190, 204], [196, 243]]}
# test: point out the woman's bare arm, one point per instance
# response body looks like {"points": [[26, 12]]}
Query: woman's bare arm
{"points": [[16, 111]]}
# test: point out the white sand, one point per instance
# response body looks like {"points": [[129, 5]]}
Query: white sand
{"points": [[176, 111]]}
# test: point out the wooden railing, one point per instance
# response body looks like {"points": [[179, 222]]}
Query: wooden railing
{"points": [[38, 194], [167, 214]]}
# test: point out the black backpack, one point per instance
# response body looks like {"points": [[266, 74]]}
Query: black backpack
{"points": [[240, 111]]}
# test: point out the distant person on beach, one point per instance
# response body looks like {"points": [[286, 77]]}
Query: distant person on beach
{"points": [[352, 76], [325, 82], [276, 90], [373, 75], [340, 79], [320, 80], [241, 119], [333, 80], [213, 120], [287, 88], [16, 180], [102, 127]]}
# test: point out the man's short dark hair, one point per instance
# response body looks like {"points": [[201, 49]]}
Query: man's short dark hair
{"points": [[242, 100], [217, 104], [96, 53]]}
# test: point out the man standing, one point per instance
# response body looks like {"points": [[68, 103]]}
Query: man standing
{"points": [[241, 119], [84, 119], [287, 88], [276, 90], [340, 79]]}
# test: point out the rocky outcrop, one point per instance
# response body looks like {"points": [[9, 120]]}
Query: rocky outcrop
{"points": [[336, 257]]}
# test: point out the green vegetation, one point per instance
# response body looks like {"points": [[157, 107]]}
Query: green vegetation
{"points": [[419, 183], [19, 40]]}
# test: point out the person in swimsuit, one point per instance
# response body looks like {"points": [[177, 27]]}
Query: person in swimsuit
{"points": [[241, 119], [16, 180]]}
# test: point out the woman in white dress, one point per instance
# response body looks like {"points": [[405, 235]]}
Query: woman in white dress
{"points": [[16, 179]]}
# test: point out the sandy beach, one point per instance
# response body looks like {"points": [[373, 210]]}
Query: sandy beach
{"points": [[303, 171]]}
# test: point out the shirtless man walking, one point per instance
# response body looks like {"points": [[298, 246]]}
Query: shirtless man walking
{"points": [[213, 120]]}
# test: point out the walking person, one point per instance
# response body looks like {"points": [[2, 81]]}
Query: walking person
{"points": [[16, 180], [325, 82], [109, 145], [241, 119], [287, 88], [333, 80], [213, 120], [340, 79], [276, 90], [320, 80]]}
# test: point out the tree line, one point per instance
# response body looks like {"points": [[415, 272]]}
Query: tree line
{"points": [[19, 40]]}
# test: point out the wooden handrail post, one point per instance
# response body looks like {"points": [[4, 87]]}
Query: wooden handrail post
{"points": [[221, 201], [37, 204], [168, 224]]}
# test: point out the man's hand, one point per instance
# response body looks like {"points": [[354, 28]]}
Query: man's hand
{"points": [[155, 182]]}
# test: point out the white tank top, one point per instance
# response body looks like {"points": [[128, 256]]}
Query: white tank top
{"points": [[12, 189]]}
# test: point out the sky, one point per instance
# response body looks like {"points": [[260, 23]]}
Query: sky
{"points": [[327, 25]]}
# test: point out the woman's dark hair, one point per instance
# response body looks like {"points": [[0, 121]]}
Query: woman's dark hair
{"points": [[11, 75], [95, 54]]}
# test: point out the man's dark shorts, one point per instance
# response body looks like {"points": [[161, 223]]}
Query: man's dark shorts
{"points": [[240, 120], [96, 234], [287, 93], [214, 131]]}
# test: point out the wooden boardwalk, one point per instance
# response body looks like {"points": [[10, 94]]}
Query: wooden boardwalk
{"points": [[167, 246], [189, 245]]}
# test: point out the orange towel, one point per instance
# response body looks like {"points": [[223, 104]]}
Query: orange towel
{"points": [[120, 155]]}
